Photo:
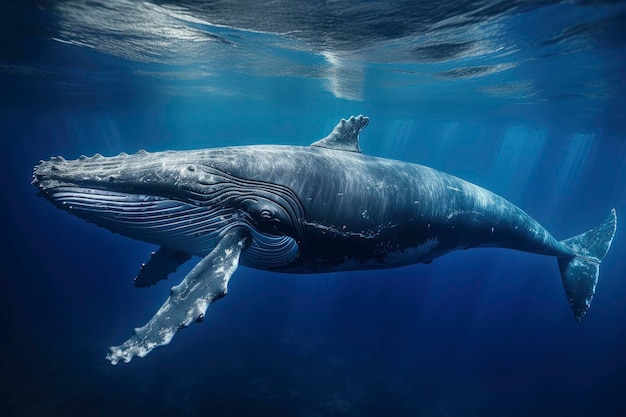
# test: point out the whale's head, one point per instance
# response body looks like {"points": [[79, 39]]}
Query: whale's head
{"points": [[182, 200]]}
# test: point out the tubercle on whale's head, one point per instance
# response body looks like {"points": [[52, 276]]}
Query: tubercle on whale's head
{"points": [[123, 172], [182, 175]]}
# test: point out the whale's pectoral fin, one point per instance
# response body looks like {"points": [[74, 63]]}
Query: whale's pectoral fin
{"points": [[188, 301], [580, 272], [162, 263], [345, 136]]}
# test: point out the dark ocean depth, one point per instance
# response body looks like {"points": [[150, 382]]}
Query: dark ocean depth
{"points": [[524, 98]]}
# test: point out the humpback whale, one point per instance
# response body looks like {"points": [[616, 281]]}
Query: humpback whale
{"points": [[296, 209]]}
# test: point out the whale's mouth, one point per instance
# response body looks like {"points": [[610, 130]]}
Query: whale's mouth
{"points": [[155, 219], [114, 205]]}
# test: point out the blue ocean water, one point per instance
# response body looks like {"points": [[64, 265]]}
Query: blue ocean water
{"points": [[524, 98]]}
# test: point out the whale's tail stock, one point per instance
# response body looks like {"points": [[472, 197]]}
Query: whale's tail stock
{"points": [[580, 272]]}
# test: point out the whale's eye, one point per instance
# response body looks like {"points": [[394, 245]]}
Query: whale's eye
{"points": [[266, 216]]}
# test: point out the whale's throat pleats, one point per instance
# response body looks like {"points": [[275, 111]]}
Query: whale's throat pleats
{"points": [[174, 224]]}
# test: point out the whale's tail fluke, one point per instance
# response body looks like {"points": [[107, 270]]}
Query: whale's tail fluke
{"points": [[580, 273]]}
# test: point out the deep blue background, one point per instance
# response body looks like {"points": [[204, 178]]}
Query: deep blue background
{"points": [[476, 333]]}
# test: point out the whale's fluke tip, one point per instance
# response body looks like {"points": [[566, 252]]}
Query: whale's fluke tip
{"points": [[580, 272]]}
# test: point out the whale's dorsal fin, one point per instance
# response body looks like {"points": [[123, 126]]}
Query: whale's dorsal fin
{"points": [[345, 136]]}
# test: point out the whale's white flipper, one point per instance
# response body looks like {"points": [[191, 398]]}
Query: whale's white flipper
{"points": [[188, 301]]}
